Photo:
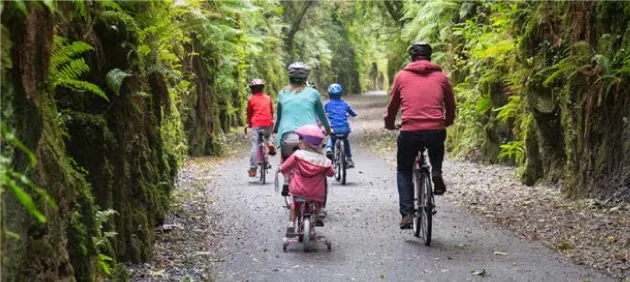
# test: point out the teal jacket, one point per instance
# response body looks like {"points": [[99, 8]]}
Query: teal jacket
{"points": [[297, 109]]}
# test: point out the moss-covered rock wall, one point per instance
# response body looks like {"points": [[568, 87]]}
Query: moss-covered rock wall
{"points": [[542, 85]]}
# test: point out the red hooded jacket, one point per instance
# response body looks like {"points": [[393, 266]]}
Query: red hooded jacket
{"points": [[425, 95]]}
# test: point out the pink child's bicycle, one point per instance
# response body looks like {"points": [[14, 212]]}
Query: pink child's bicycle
{"points": [[306, 222], [305, 232]]}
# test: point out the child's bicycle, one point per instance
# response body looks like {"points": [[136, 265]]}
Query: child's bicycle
{"points": [[339, 158], [305, 232], [262, 158]]}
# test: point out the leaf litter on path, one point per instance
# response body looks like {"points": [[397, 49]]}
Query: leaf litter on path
{"points": [[185, 245]]}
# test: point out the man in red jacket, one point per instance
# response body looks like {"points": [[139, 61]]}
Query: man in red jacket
{"points": [[426, 97], [260, 120]]}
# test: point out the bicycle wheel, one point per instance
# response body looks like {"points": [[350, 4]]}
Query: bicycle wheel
{"points": [[426, 208], [263, 164], [306, 232], [342, 161], [336, 163], [417, 204]]}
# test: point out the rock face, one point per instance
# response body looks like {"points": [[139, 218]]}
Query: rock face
{"points": [[101, 156]]}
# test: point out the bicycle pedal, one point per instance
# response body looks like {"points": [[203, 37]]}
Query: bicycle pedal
{"points": [[433, 212]]}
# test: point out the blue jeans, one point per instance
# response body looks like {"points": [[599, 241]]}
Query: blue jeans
{"points": [[331, 143]]}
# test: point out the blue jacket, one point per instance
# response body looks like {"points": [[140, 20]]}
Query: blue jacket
{"points": [[338, 111]]}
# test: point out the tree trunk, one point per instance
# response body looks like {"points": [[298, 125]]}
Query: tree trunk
{"points": [[295, 20]]}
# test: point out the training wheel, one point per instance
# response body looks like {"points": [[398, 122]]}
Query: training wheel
{"points": [[285, 244], [329, 246]]}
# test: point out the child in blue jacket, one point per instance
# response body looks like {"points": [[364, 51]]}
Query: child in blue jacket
{"points": [[338, 111]]}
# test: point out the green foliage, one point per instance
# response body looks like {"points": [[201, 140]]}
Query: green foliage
{"points": [[101, 242], [67, 66], [115, 79], [18, 183], [513, 150]]}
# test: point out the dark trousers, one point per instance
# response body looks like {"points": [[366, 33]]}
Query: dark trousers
{"points": [[409, 143]]}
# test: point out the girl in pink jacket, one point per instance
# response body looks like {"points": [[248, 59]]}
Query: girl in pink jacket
{"points": [[310, 168]]}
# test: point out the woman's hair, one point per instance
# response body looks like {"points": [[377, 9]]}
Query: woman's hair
{"points": [[296, 86], [304, 145]]}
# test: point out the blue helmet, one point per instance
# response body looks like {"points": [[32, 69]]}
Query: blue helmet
{"points": [[335, 89]]}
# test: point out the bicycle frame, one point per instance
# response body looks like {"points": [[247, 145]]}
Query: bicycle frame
{"points": [[262, 150]]}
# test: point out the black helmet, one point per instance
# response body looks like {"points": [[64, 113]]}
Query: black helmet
{"points": [[420, 49], [298, 71]]}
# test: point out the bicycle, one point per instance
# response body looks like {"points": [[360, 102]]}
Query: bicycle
{"points": [[424, 205], [262, 158], [306, 227], [339, 158]]}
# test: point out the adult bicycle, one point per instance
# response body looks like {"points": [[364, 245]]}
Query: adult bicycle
{"points": [[424, 204]]}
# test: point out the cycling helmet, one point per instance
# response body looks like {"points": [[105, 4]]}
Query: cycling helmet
{"points": [[298, 71], [312, 134], [256, 85], [420, 50], [256, 81], [335, 89]]}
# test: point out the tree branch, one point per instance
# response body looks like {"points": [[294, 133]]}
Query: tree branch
{"points": [[295, 25]]}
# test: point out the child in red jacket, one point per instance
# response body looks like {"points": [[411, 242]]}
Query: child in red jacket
{"points": [[260, 120], [310, 168]]}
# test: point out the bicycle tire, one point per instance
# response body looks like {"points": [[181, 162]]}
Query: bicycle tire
{"points": [[263, 164], [336, 161], [342, 161], [427, 209], [417, 216], [306, 232], [263, 172]]}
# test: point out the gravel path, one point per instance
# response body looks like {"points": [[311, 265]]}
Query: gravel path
{"points": [[367, 243], [243, 242]]}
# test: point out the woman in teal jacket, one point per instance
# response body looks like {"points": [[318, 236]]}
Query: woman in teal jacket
{"points": [[298, 105]]}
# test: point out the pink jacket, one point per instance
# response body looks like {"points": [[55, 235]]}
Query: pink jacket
{"points": [[425, 96], [309, 174]]}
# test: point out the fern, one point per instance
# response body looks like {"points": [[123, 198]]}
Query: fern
{"points": [[115, 79], [510, 110], [84, 86], [67, 66], [63, 54], [514, 150]]}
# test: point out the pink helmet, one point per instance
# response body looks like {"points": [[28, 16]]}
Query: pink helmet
{"points": [[312, 134], [256, 82]]}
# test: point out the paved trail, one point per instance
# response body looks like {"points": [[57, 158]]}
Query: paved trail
{"points": [[367, 243]]}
